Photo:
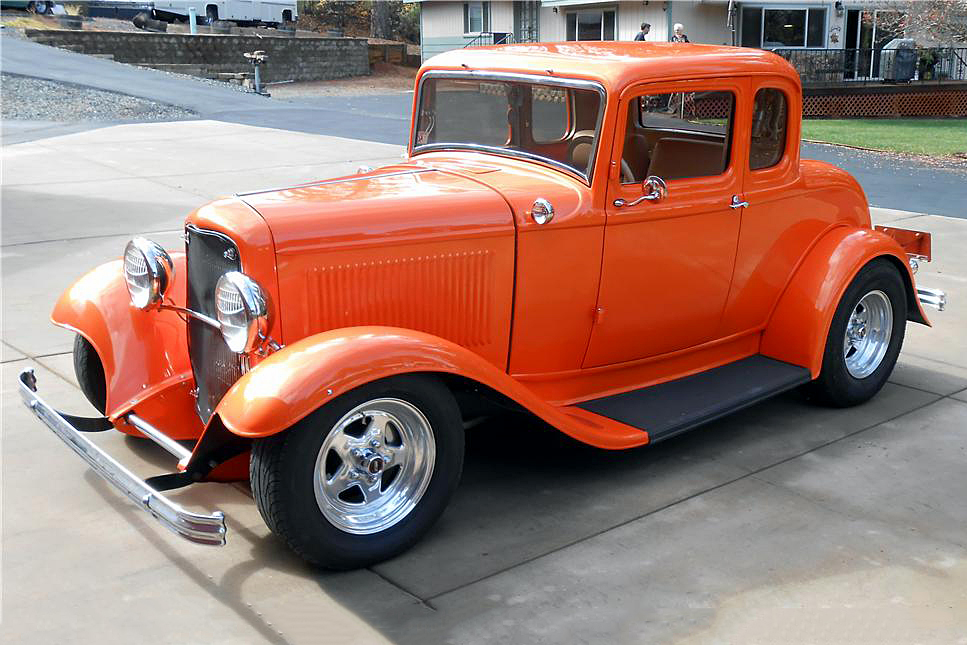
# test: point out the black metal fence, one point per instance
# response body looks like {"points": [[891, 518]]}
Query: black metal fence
{"points": [[874, 66]]}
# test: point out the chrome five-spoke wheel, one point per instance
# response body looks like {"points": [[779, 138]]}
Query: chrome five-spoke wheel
{"points": [[365, 475], [868, 333], [865, 336], [374, 466]]}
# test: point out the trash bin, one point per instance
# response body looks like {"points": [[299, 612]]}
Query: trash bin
{"points": [[898, 60], [905, 64]]}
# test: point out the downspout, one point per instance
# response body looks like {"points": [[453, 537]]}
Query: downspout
{"points": [[730, 23], [669, 23]]}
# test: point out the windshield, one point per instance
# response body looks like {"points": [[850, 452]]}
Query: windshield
{"points": [[549, 122]]}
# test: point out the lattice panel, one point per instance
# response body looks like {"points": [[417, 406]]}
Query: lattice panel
{"points": [[936, 103], [715, 106]]}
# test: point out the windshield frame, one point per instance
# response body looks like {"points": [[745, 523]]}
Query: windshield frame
{"points": [[484, 75]]}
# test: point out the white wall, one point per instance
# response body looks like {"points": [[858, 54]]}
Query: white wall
{"points": [[630, 16], [442, 19], [704, 22], [552, 25], [501, 16]]}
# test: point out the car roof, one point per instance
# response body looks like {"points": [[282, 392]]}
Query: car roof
{"points": [[617, 64]]}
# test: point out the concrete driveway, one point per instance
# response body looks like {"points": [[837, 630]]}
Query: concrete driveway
{"points": [[785, 523]]}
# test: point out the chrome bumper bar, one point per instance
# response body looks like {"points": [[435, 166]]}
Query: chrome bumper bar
{"points": [[932, 298], [195, 527]]}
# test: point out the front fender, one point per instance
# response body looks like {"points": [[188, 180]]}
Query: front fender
{"points": [[799, 324], [144, 353], [300, 378]]}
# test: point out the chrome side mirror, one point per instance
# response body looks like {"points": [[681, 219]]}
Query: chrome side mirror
{"points": [[654, 188]]}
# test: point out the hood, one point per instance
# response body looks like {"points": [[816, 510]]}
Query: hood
{"points": [[393, 205]]}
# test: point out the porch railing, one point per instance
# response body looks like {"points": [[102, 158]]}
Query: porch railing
{"points": [[490, 38], [875, 66]]}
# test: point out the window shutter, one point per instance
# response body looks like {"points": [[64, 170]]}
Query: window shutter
{"points": [[485, 22], [466, 17]]}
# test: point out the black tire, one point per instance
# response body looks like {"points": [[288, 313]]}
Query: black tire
{"points": [[836, 386], [282, 469], [90, 373]]}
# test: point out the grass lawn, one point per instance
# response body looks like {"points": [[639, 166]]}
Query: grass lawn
{"points": [[917, 136]]}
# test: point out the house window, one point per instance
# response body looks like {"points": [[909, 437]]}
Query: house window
{"points": [[591, 25], [476, 17], [770, 28]]}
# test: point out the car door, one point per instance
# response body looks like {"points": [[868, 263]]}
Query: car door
{"points": [[668, 259]]}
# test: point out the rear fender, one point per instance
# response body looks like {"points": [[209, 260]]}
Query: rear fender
{"points": [[144, 353], [799, 324], [304, 376]]}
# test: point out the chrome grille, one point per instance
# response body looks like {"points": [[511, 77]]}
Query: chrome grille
{"points": [[216, 368]]}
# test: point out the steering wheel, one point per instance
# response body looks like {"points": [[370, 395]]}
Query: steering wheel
{"points": [[627, 176]]}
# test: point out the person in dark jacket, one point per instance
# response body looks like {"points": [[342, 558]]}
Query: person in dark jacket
{"points": [[645, 28]]}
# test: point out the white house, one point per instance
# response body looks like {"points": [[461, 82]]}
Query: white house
{"points": [[772, 24]]}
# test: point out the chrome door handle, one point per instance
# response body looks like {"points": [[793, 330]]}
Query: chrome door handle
{"points": [[738, 204]]}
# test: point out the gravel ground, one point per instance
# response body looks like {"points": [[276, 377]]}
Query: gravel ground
{"points": [[385, 79], [36, 99]]}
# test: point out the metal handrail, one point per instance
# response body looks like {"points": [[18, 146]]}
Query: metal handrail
{"points": [[486, 38]]}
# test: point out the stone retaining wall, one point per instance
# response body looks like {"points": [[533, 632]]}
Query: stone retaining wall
{"points": [[298, 59]]}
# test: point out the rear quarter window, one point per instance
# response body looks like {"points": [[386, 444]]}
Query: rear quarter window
{"points": [[769, 123]]}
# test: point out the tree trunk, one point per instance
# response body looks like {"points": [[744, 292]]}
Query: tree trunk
{"points": [[380, 24]]}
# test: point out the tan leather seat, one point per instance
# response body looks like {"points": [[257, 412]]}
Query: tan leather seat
{"points": [[681, 158]]}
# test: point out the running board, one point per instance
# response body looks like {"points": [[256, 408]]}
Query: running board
{"points": [[670, 408]]}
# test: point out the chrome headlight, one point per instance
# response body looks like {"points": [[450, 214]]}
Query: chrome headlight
{"points": [[241, 311], [148, 272]]}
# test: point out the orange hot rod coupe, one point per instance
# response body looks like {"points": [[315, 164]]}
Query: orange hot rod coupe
{"points": [[617, 238]]}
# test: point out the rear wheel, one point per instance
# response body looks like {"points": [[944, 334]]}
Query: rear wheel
{"points": [[365, 476], [90, 373], [864, 338]]}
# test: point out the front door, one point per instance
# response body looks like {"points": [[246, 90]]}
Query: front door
{"points": [[667, 263]]}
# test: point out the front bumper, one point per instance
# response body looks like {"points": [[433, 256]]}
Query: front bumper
{"points": [[195, 527]]}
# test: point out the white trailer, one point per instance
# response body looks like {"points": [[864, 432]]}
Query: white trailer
{"points": [[266, 12]]}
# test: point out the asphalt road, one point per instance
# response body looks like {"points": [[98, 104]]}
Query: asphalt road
{"points": [[890, 181]]}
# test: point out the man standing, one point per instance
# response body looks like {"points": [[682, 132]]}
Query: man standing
{"points": [[645, 28]]}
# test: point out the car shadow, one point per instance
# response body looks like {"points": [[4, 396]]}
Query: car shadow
{"points": [[527, 491]]}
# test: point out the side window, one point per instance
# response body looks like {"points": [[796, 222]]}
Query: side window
{"points": [[549, 114], [679, 135], [768, 128]]}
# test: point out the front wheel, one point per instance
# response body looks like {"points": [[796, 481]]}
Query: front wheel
{"points": [[864, 338], [363, 477]]}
